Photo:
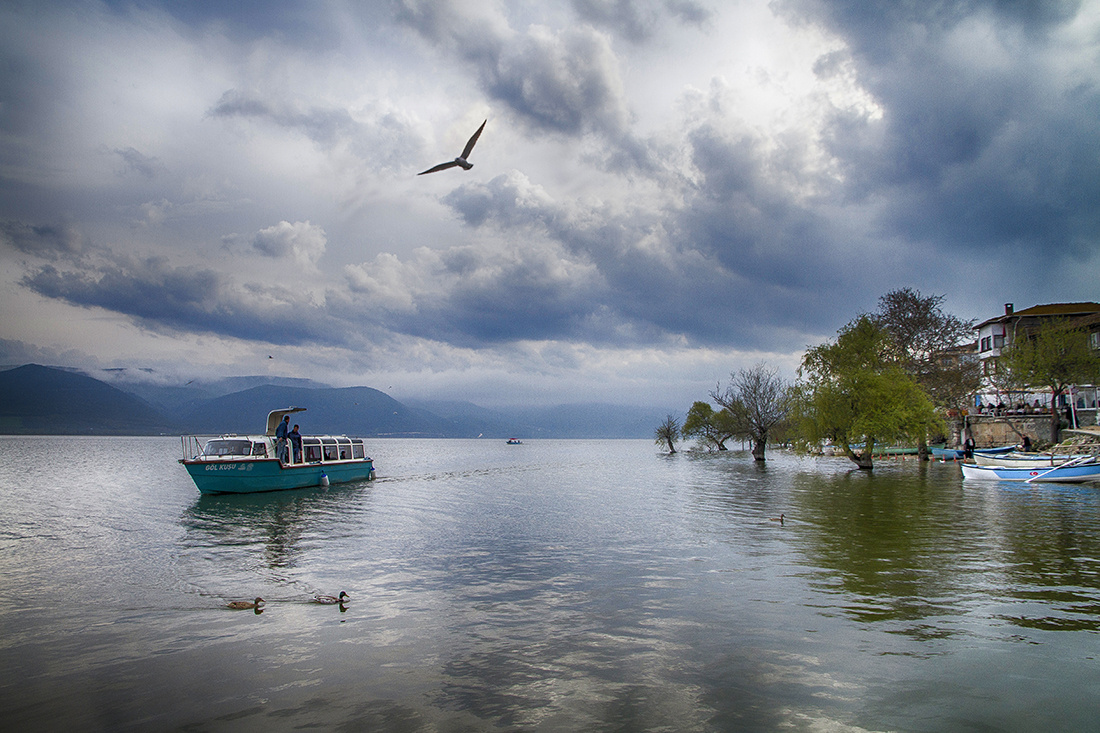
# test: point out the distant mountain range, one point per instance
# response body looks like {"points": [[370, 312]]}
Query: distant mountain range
{"points": [[46, 400]]}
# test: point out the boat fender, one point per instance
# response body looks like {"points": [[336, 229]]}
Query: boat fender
{"points": [[324, 479]]}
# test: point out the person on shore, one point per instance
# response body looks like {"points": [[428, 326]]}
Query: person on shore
{"points": [[280, 437], [968, 447], [296, 443], [1025, 444]]}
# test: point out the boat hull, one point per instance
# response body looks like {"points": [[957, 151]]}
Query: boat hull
{"points": [[268, 474], [1013, 460], [1060, 474]]}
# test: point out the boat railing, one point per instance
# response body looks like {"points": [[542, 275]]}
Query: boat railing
{"points": [[193, 445], [314, 449]]}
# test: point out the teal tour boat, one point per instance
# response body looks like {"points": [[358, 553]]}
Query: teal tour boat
{"points": [[245, 464]]}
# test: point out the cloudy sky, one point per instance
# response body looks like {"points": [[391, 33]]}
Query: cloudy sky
{"points": [[665, 191]]}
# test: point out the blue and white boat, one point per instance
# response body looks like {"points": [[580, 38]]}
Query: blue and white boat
{"points": [[1076, 471], [1022, 460], [245, 464]]}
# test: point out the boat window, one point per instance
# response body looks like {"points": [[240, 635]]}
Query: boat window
{"points": [[227, 448], [330, 453], [259, 449], [357, 450], [313, 453]]}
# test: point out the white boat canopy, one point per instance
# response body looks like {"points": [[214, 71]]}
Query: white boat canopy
{"points": [[276, 416]]}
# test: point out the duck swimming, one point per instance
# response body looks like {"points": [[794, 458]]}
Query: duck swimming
{"points": [[332, 600], [241, 605]]}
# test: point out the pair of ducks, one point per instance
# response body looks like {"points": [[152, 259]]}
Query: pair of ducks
{"points": [[259, 602]]}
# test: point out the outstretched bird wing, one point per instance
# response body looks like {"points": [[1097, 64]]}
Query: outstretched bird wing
{"points": [[470, 145], [440, 167]]}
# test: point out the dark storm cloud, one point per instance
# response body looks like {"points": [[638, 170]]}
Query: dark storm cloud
{"points": [[562, 81], [43, 241], [566, 82], [160, 296], [714, 278], [499, 301], [743, 216], [986, 143]]}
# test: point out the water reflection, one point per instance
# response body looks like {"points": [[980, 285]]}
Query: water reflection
{"points": [[277, 521], [918, 549]]}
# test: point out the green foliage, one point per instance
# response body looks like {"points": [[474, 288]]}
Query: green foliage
{"points": [[1055, 356], [919, 335], [711, 427], [667, 432], [853, 391]]}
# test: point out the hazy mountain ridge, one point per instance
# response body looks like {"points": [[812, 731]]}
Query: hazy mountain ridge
{"points": [[47, 400], [42, 400]]}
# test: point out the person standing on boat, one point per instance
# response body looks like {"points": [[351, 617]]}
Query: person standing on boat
{"points": [[295, 443], [968, 447], [280, 436]]}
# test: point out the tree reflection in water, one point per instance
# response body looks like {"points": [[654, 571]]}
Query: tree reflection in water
{"points": [[922, 550]]}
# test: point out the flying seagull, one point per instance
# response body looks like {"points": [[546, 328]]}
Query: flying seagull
{"points": [[460, 160]]}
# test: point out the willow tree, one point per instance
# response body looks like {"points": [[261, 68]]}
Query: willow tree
{"points": [[1055, 356], [853, 392], [667, 432], [712, 427]]}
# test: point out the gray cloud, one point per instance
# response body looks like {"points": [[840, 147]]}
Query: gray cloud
{"points": [[563, 81], [160, 296], [947, 146], [638, 20], [985, 141], [323, 126], [145, 166], [46, 241]]}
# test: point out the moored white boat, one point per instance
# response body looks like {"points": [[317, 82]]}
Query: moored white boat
{"points": [[245, 464], [1021, 460], [1076, 471]]}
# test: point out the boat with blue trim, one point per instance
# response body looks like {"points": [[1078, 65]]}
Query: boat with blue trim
{"points": [[245, 464], [1076, 471]]}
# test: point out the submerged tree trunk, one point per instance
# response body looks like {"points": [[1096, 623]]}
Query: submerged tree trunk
{"points": [[758, 445], [922, 449], [863, 460]]}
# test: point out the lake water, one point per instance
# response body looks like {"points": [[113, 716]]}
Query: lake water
{"points": [[556, 585]]}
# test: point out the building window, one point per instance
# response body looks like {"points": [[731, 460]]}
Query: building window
{"points": [[986, 343], [1094, 340], [998, 342]]}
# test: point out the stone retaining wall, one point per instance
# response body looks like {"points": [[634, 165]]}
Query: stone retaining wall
{"points": [[991, 432]]}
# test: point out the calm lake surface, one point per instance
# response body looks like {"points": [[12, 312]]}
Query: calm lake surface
{"points": [[556, 585]]}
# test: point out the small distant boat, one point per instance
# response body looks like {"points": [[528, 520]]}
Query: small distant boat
{"points": [[514, 441], [245, 464], [1076, 471], [946, 454]]}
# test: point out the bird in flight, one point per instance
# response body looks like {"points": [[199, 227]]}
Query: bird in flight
{"points": [[460, 161]]}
